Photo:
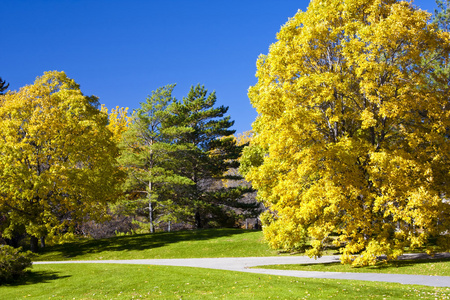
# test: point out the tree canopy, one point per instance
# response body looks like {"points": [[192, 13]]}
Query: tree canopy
{"points": [[149, 156], [57, 158], [442, 15], [180, 158], [351, 142], [214, 152]]}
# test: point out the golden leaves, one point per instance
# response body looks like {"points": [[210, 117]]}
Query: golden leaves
{"points": [[356, 135], [55, 154]]}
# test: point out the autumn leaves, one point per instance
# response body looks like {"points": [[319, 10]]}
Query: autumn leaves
{"points": [[353, 121]]}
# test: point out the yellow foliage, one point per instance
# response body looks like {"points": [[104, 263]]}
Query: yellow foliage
{"points": [[356, 137], [57, 162], [244, 138], [118, 121]]}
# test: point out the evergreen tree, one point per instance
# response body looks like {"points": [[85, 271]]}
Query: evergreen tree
{"points": [[442, 15], [441, 74], [214, 152], [148, 157]]}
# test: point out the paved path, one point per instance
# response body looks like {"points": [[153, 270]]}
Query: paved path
{"points": [[243, 264]]}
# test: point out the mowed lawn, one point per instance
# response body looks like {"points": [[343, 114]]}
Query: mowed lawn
{"points": [[114, 281], [180, 244], [431, 267]]}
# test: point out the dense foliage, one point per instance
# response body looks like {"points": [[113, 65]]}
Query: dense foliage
{"points": [[352, 138], [57, 162], [213, 153], [149, 156], [13, 262], [176, 155]]}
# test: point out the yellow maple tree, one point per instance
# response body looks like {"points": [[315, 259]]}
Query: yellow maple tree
{"points": [[57, 158], [352, 139], [118, 121]]}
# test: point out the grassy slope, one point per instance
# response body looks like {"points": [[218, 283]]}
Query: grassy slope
{"points": [[91, 281], [111, 281], [182, 244], [432, 267]]}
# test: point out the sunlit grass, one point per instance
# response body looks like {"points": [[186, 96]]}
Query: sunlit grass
{"points": [[114, 281], [111, 281], [181, 244], [432, 267]]}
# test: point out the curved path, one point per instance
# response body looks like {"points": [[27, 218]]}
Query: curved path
{"points": [[244, 264]]}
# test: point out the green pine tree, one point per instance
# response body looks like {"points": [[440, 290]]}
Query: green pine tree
{"points": [[148, 153], [440, 62], [442, 15], [214, 153]]}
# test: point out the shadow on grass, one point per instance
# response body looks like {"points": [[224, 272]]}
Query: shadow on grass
{"points": [[134, 242], [381, 265], [405, 263], [33, 277]]}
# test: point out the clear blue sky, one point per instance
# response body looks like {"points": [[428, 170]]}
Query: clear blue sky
{"points": [[122, 50]]}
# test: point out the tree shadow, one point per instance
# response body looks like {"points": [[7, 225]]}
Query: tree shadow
{"points": [[32, 277], [134, 242], [401, 263]]}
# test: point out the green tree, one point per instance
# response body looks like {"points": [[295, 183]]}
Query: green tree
{"points": [[214, 152], [351, 132], [442, 15], [441, 75], [57, 158], [149, 157]]}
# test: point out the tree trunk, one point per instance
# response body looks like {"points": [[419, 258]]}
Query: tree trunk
{"points": [[34, 244], [42, 241], [150, 216], [150, 191], [198, 220]]}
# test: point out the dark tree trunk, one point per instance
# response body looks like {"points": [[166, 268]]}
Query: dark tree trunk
{"points": [[14, 241], [42, 242], [198, 220], [34, 244]]}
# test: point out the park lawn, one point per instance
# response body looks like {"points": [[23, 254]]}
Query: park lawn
{"points": [[432, 267], [179, 244], [114, 281]]}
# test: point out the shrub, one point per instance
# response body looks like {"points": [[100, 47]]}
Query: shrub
{"points": [[13, 262]]}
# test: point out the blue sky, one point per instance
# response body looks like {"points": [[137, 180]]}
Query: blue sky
{"points": [[122, 50]]}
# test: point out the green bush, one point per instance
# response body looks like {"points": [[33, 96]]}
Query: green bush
{"points": [[13, 262]]}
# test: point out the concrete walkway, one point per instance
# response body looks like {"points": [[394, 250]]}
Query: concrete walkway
{"points": [[243, 264]]}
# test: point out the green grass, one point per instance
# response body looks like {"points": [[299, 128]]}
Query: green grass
{"points": [[110, 281], [181, 244], [432, 267]]}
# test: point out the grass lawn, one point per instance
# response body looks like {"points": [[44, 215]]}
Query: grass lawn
{"points": [[181, 244], [111, 281], [432, 267]]}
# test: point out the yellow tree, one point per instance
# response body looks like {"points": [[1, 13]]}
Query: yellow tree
{"points": [[352, 141], [118, 121], [56, 158]]}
